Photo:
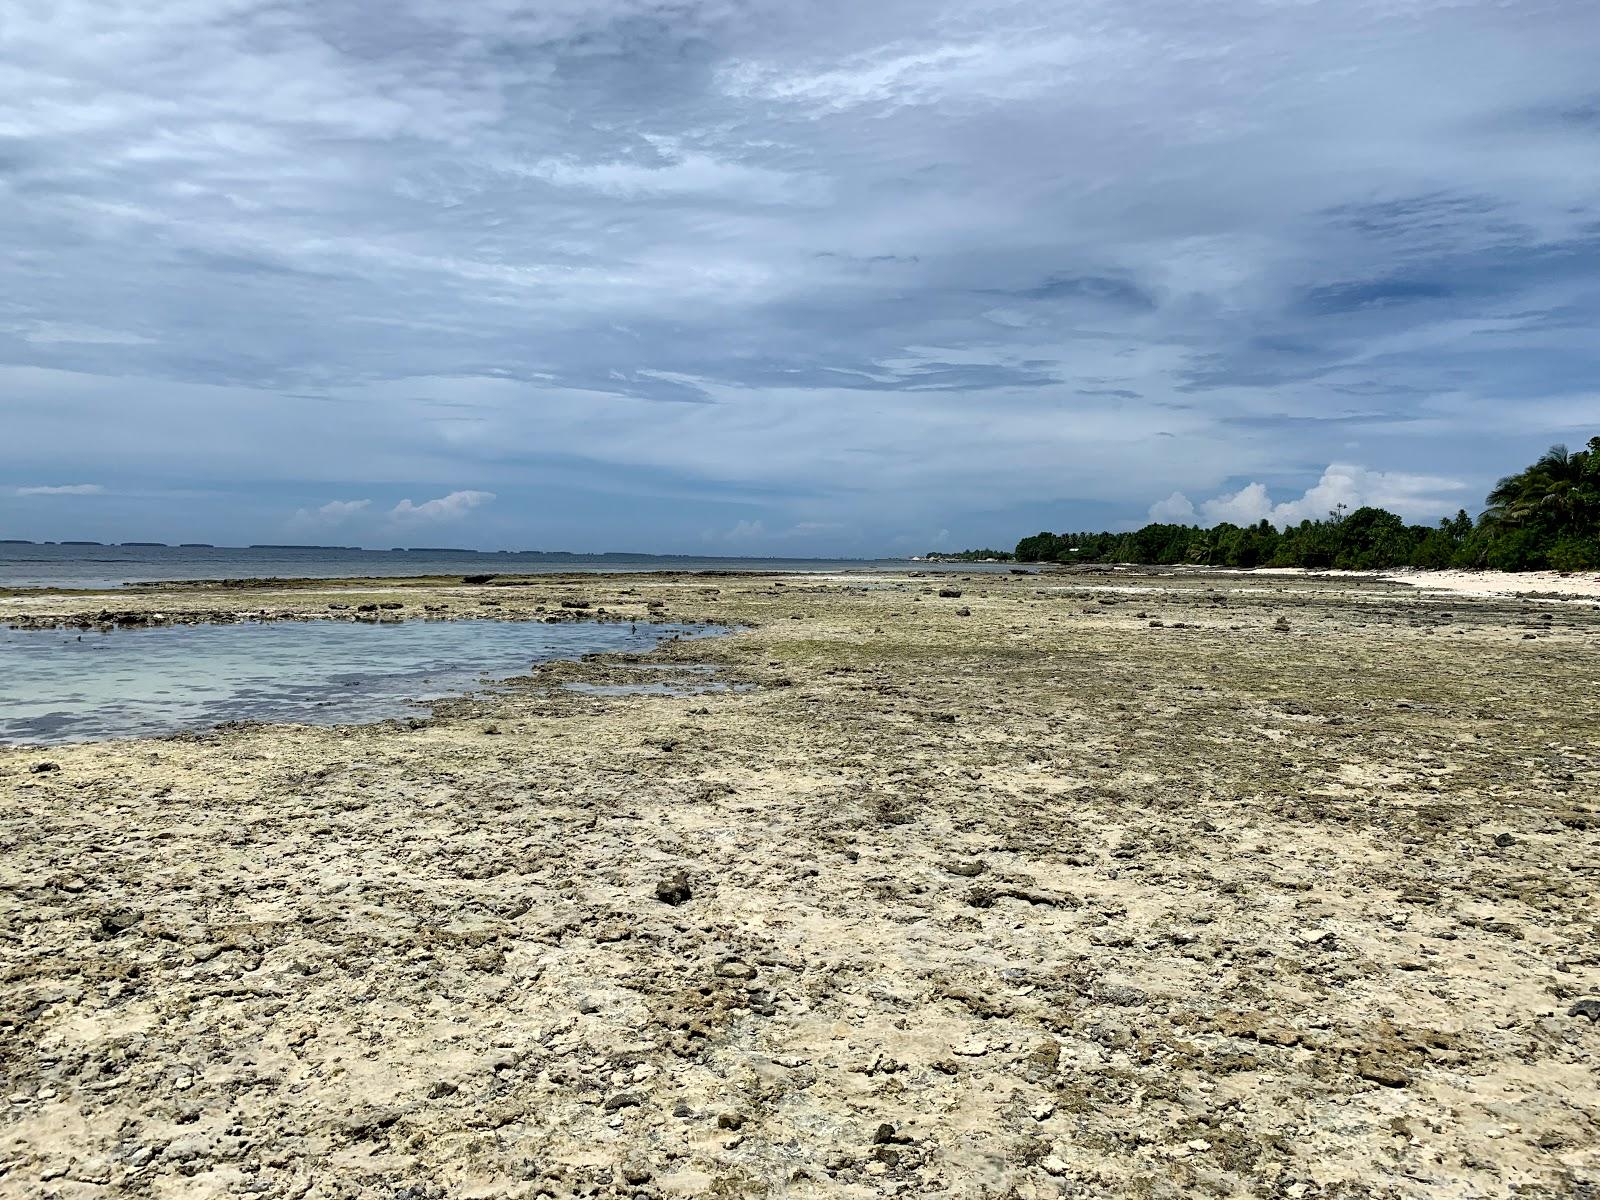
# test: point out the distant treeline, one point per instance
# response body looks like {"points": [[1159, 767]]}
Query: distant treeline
{"points": [[1547, 516], [968, 555]]}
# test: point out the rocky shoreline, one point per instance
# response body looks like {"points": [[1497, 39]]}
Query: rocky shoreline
{"points": [[1167, 885]]}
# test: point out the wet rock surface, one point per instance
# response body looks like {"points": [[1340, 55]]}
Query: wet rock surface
{"points": [[1286, 896]]}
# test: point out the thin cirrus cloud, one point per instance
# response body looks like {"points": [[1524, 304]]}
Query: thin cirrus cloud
{"points": [[837, 277], [62, 489]]}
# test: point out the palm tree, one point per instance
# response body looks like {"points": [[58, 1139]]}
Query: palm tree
{"points": [[1561, 490]]}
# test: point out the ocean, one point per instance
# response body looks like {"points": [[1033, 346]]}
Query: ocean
{"points": [[89, 565]]}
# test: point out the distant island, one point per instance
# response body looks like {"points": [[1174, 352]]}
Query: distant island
{"points": [[161, 545], [1544, 517]]}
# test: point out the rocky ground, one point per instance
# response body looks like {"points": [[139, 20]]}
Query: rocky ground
{"points": [[1090, 886]]}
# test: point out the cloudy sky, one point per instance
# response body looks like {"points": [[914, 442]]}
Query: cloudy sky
{"points": [[794, 276]]}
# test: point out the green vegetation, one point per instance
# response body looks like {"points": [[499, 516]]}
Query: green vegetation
{"points": [[1546, 516], [968, 555]]}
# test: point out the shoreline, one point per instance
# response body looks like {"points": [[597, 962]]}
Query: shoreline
{"points": [[1199, 887], [1585, 584]]}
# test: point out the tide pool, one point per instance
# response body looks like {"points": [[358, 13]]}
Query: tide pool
{"points": [[68, 685]]}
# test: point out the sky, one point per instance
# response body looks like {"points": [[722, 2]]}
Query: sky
{"points": [[799, 277]]}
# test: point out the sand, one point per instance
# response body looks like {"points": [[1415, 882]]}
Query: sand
{"points": [[1583, 585], [1239, 886]]}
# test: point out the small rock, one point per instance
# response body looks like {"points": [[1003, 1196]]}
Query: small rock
{"points": [[1504, 839], [730, 1120], [367, 1123], [43, 768], [119, 921], [969, 868], [950, 593], [1382, 1072], [634, 1171], [1054, 1165], [963, 611], [623, 1100], [674, 889], [1589, 1007]]}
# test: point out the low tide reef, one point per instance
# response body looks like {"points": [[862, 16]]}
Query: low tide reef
{"points": [[1156, 885]]}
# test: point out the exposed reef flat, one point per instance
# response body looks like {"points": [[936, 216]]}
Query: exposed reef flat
{"points": [[1155, 885]]}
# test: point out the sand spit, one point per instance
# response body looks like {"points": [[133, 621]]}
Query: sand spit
{"points": [[1249, 886]]}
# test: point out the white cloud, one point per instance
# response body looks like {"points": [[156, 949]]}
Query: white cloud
{"points": [[748, 533], [742, 531], [1244, 507], [1341, 484], [679, 174], [445, 508], [65, 489], [1176, 509], [339, 510], [50, 332], [335, 512], [993, 69]]}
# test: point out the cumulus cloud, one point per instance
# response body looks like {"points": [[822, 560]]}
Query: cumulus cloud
{"points": [[1342, 487], [1176, 509], [62, 489], [445, 508]]}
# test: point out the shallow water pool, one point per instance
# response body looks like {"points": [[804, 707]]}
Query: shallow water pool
{"points": [[62, 685]]}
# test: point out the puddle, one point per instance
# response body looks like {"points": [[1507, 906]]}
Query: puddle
{"points": [[59, 685]]}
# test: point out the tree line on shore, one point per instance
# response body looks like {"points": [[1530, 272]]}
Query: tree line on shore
{"points": [[1546, 516]]}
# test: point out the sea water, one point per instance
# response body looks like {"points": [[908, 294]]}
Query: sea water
{"points": [[67, 685], [47, 565]]}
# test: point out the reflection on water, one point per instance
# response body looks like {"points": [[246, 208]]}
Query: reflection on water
{"points": [[67, 686]]}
